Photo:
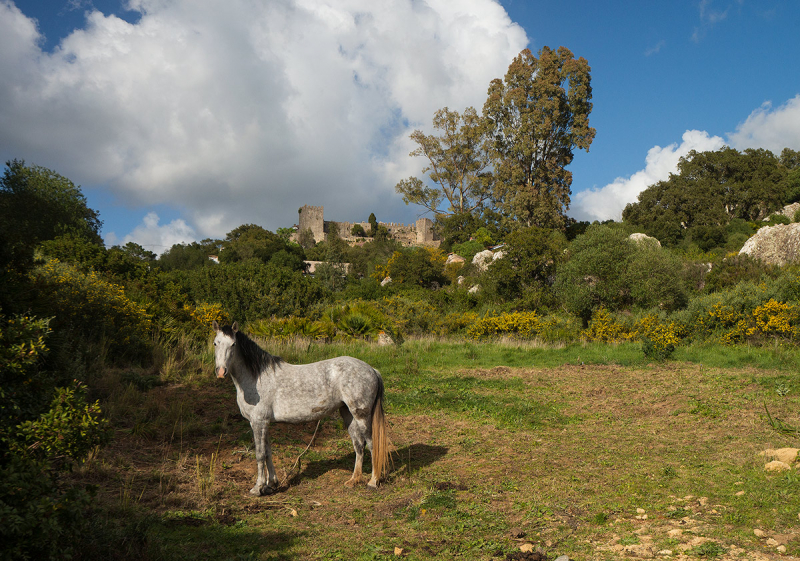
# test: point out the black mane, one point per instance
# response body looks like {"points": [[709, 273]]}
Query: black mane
{"points": [[256, 359]]}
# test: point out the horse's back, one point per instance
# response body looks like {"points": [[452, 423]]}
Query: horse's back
{"points": [[319, 388]]}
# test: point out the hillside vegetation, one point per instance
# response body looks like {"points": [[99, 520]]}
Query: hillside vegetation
{"points": [[89, 331]]}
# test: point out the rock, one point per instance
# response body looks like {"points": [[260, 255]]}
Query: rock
{"points": [[741, 493], [644, 238], [386, 281], [785, 455], [759, 533], [789, 210], [665, 552], [526, 548], [384, 339], [777, 466], [562, 558], [775, 245], [475, 289], [772, 542], [453, 258], [517, 533], [484, 258], [781, 549]]}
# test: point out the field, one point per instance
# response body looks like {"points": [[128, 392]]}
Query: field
{"points": [[584, 451]]}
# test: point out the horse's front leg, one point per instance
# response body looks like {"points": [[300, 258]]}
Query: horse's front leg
{"points": [[267, 481]]}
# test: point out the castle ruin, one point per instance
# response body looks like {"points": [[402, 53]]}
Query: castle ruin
{"points": [[418, 234]]}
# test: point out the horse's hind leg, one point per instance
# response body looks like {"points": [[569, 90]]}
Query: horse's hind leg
{"points": [[355, 429]]}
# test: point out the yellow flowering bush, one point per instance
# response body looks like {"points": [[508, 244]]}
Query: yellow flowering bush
{"points": [[87, 302], [604, 327], [203, 314], [776, 319], [521, 324]]}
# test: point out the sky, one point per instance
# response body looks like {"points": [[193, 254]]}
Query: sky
{"points": [[183, 119]]}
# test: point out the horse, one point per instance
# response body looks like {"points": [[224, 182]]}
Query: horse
{"points": [[269, 389]]}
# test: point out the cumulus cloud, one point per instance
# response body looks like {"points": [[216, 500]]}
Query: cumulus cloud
{"points": [[773, 129], [244, 113], [607, 203], [156, 237]]}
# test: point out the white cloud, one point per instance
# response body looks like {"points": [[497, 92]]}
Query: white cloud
{"points": [[607, 203], [773, 129], [155, 237], [245, 112]]}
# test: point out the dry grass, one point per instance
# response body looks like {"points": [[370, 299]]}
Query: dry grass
{"points": [[610, 462]]}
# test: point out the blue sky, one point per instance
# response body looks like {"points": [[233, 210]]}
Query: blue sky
{"points": [[182, 120]]}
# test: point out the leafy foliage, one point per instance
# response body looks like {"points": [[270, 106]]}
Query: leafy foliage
{"points": [[537, 115], [711, 189], [458, 161], [42, 517]]}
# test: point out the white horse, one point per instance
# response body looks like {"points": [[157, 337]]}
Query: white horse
{"points": [[269, 389]]}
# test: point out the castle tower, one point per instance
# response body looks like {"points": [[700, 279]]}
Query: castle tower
{"points": [[424, 229], [311, 218]]}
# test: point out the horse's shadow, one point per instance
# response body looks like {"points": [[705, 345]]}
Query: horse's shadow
{"points": [[405, 460]]}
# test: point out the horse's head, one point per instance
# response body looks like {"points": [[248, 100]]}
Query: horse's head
{"points": [[224, 343]]}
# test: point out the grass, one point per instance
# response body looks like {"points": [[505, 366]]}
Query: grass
{"points": [[590, 450]]}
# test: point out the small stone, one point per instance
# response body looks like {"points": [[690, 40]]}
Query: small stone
{"points": [[640, 511], [759, 533], [785, 455], [781, 549], [773, 542], [665, 552], [777, 466], [740, 493], [517, 533], [526, 548], [562, 558], [398, 551], [677, 532]]}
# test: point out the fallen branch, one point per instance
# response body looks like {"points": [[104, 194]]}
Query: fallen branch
{"points": [[297, 461]]}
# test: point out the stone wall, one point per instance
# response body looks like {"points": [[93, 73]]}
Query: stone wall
{"points": [[312, 217]]}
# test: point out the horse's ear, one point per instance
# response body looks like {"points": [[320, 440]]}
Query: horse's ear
{"points": [[235, 327], [215, 325]]}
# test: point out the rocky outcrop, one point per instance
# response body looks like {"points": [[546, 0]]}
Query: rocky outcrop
{"points": [[776, 245], [483, 259], [789, 210], [644, 238]]}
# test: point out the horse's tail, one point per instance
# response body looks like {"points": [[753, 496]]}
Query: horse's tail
{"points": [[381, 459]]}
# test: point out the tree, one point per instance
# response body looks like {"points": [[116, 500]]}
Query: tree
{"points": [[526, 272], [458, 160], [710, 189], [607, 269], [38, 204], [250, 241], [537, 115]]}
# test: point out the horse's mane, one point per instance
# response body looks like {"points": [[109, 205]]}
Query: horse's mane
{"points": [[255, 359]]}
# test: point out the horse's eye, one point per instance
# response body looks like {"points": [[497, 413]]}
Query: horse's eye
{"points": [[215, 343]]}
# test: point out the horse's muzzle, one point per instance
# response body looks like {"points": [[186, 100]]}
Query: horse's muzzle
{"points": [[221, 371]]}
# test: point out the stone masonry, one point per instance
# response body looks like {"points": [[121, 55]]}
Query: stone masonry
{"points": [[418, 234]]}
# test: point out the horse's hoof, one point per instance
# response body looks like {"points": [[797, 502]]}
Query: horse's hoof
{"points": [[352, 482], [373, 485], [262, 491]]}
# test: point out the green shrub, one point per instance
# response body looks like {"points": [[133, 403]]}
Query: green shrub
{"points": [[42, 516], [89, 308]]}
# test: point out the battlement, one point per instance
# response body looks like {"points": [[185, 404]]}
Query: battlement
{"points": [[313, 218]]}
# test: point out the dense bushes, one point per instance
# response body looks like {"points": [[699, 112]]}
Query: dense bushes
{"points": [[44, 429]]}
